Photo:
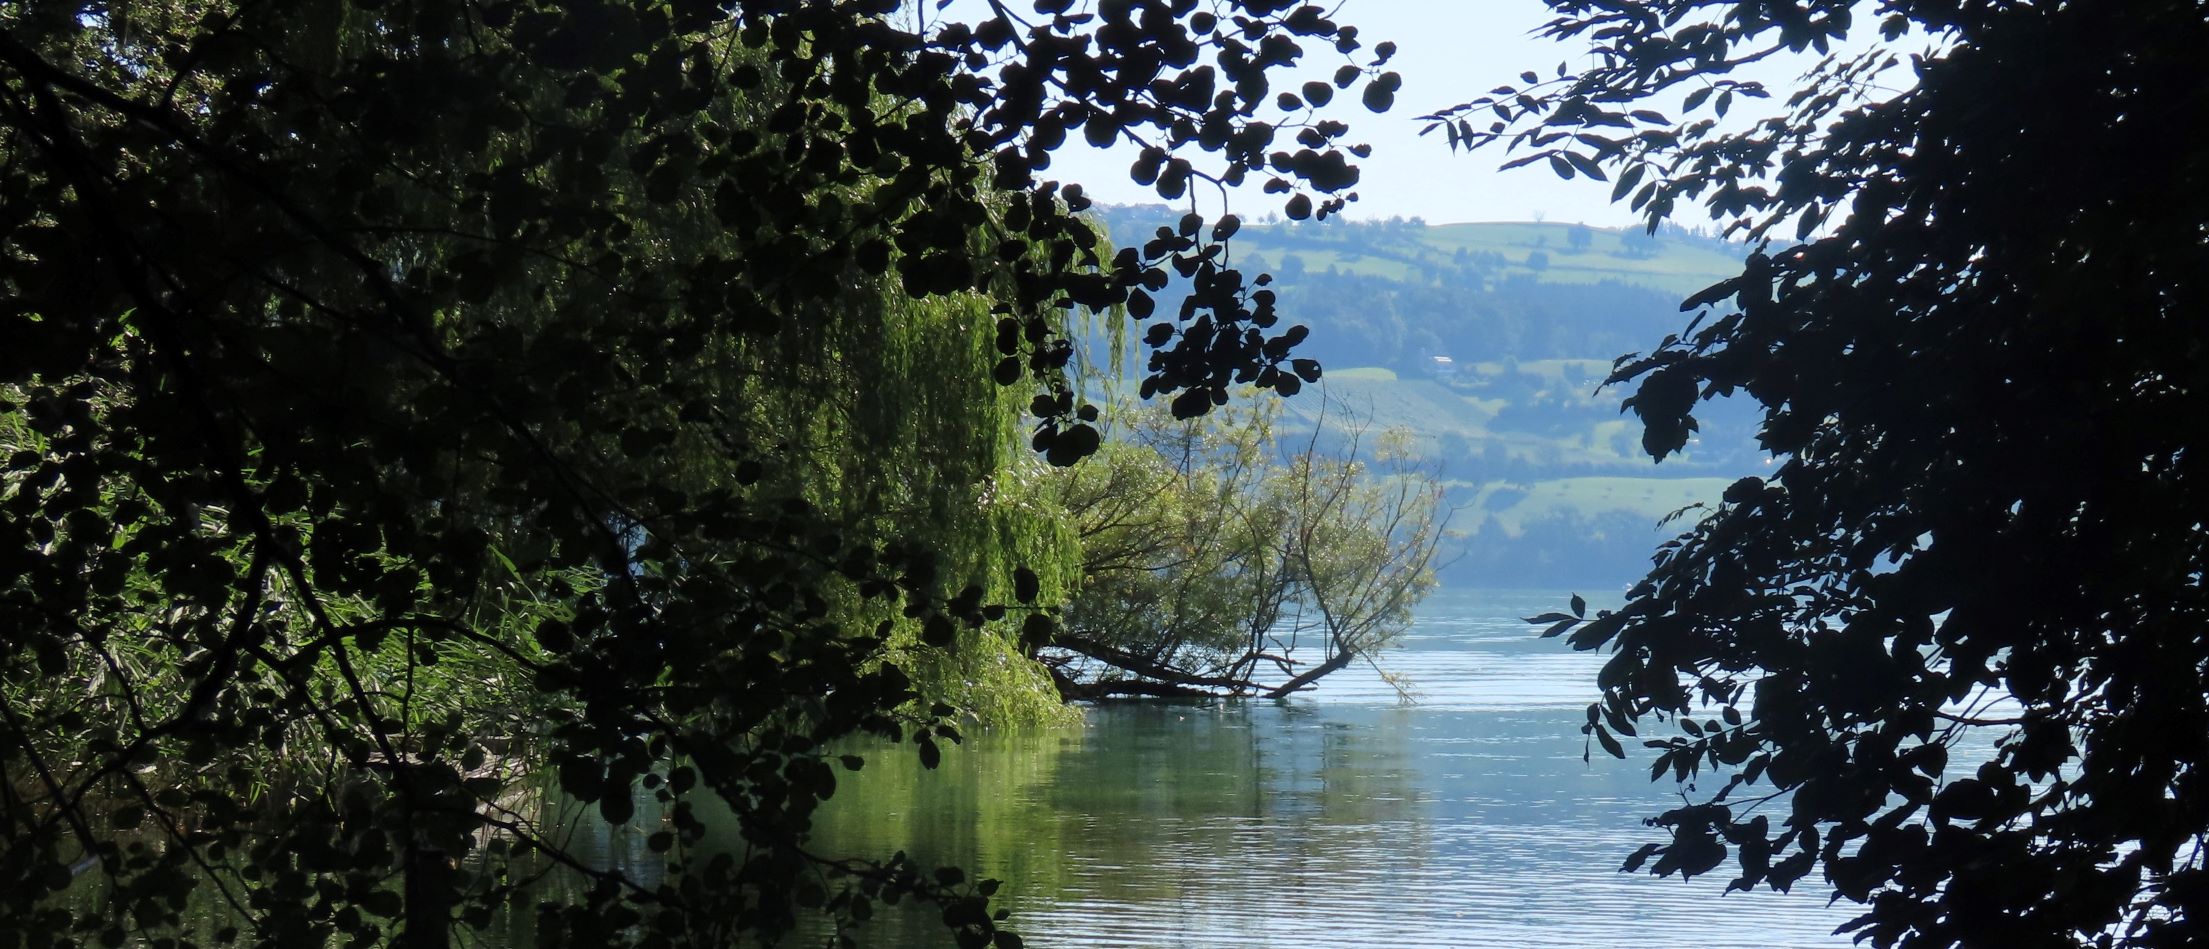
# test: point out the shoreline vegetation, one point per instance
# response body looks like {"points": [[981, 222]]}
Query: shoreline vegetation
{"points": [[661, 396], [1228, 558], [662, 382]]}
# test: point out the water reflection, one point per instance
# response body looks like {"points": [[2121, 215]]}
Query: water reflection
{"points": [[1340, 819]]}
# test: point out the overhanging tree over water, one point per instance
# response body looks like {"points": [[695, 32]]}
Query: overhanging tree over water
{"points": [[624, 362], [1974, 321], [1223, 557]]}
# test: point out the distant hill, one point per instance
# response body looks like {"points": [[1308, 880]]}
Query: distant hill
{"points": [[1551, 253], [1487, 341]]}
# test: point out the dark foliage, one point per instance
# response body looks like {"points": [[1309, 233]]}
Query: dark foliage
{"points": [[1953, 653], [327, 326]]}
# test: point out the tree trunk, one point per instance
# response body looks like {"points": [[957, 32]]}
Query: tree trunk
{"points": [[429, 880], [1308, 676]]}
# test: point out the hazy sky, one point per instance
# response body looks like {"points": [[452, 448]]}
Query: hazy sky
{"points": [[1448, 51]]}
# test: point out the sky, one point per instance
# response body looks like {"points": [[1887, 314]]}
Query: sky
{"points": [[1448, 51]]}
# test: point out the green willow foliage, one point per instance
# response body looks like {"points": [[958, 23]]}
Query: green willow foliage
{"points": [[402, 393], [1952, 652], [1222, 557]]}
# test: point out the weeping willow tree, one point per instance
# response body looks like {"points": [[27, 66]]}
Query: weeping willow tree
{"points": [[893, 424], [400, 393]]}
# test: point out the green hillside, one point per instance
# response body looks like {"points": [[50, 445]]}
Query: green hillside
{"points": [[1512, 508], [1411, 252], [1487, 341]]}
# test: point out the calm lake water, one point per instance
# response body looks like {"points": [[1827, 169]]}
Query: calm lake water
{"points": [[1342, 818]]}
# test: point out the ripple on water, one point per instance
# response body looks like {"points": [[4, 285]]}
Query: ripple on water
{"points": [[1343, 818]]}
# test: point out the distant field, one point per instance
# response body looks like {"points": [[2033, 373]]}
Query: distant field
{"points": [[1378, 397], [1361, 374], [1676, 265], [1511, 507], [1380, 400], [1673, 264], [1581, 374]]}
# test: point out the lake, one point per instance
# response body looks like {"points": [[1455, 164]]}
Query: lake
{"points": [[1341, 818]]}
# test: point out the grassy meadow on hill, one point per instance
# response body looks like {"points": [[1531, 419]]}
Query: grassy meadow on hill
{"points": [[1487, 342]]}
